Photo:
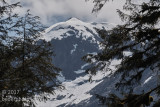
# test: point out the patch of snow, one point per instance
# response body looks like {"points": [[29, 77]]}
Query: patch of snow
{"points": [[79, 71], [56, 34], [94, 53], [127, 53], [148, 79], [114, 63], [74, 49], [84, 65], [60, 77]]}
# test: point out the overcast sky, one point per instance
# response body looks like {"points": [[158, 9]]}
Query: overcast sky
{"points": [[53, 11]]}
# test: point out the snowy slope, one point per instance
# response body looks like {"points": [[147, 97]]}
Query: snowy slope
{"points": [[107, 86], [77, 91], [81, 93]]}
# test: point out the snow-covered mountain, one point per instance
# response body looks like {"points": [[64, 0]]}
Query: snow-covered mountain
{"points": [[72, 40]]}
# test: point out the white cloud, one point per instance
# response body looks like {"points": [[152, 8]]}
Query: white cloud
{"points": [[52, 11]]}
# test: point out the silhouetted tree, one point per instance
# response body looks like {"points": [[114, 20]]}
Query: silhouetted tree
{"points": [[140, 35], [25, 61]]}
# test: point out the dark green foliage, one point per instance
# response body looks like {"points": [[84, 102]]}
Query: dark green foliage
{"points": [[140, 35], [25, 61]]}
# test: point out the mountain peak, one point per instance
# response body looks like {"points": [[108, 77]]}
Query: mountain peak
{"points": [[73, 26], [73, 19]]}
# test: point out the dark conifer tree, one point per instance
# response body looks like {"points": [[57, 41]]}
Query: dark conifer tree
{"points": [[140, 35], [5, 45], [25, 60]]}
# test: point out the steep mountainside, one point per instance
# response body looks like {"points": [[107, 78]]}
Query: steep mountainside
{"points": [[72, 40]]}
